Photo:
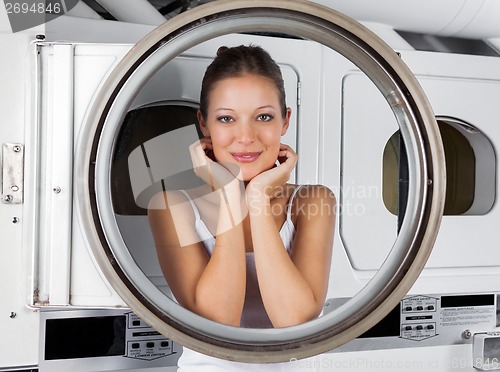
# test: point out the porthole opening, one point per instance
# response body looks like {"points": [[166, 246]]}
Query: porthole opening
{"points": [[139, 126], [398, 272], [470, 170]]}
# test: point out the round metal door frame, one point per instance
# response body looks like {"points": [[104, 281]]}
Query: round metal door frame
{"points": [[417, 125]]}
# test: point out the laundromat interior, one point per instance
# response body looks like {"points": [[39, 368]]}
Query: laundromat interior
{"points": [[395, 108]]}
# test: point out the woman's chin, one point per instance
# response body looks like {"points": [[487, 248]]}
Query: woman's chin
{"points": [[247, 178], [249, 174]]}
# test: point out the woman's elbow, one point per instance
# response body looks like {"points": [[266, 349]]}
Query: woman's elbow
{"points": [[301, 316], [220, 314]]}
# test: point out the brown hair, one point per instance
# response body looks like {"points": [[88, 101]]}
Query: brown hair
{"points": [[237, 61]]}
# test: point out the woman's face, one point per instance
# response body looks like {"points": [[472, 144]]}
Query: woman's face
{"points": [[245, 123]]}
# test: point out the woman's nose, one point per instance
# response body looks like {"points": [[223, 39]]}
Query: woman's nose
{"points": [[245, 133]]}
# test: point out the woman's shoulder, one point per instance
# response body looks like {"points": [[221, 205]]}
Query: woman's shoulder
{"points": [[165, 199], [308, 193], [313, 203]]}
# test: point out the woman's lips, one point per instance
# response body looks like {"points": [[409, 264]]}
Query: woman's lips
{"points": [[245, 157]]}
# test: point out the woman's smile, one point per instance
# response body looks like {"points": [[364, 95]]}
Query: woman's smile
{"points": [[246, 157]]}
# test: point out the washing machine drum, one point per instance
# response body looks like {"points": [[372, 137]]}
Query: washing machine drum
{"points": [[418, 130]]}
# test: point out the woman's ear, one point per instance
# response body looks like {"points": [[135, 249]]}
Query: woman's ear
{"points": [[286, 121], [203, 124]]}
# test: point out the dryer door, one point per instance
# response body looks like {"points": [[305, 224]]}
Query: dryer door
{"points": [[100, 138]]}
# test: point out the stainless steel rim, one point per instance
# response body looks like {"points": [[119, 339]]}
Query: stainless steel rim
{"points": [[418, 128]]}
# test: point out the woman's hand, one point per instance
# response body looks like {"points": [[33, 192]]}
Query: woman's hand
{"points": [[226, 179], [216, 175], [270, 183]]}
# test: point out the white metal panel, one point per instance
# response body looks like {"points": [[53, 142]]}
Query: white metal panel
{"points": [[479, 107], [345, 281], [19, 324], [465, 257], [57, 196], [52, 238], [437, 358], [476, 237], [92, 63], [86, 30], [367, 229], [368, 232], [4, 20]]}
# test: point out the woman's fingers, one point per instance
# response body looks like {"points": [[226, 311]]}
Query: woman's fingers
{"points": [[217, 175], [287, 155], [195, 150], [201, 162], [198, 151], [206, 143]]}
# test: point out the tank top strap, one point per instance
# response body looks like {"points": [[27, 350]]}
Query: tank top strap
{"points": [[195, 209], [290, 202]]}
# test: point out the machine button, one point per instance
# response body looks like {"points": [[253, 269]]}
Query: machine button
{"points": [[136, 345], [136, 323], [420, 308], [408, 328], [150, 344], [430, 307], [408, 308], [164, 344], [430, 326], [419, 327]]}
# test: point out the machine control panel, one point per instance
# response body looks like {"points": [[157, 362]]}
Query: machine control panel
{"points": [[145, 343], [418, 317], [83, 340], [429, 320]]}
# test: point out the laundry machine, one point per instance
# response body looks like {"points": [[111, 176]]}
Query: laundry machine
{"points": [[347, 136], [64, 294]]}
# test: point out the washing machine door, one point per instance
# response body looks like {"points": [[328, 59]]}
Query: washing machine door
{"points": [[301, 19]]}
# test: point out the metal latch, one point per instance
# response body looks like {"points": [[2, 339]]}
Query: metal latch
{"points": [[12, 173]]}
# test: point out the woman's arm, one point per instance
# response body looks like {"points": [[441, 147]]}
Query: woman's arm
{"points": [[294, 288], [213, 287]]}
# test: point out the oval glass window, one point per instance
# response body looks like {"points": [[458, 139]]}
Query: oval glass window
{"points": [[470, 169]]}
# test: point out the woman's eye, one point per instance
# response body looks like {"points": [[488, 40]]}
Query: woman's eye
{"points": [[264, 117], [225, 119]]}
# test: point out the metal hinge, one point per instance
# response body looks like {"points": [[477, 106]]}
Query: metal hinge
{"points": [[12, 173]]}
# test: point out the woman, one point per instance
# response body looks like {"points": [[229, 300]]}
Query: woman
{"points": [[256, 252]]}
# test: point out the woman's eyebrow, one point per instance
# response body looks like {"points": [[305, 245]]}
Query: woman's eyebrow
{"points": [[258, 108]]}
